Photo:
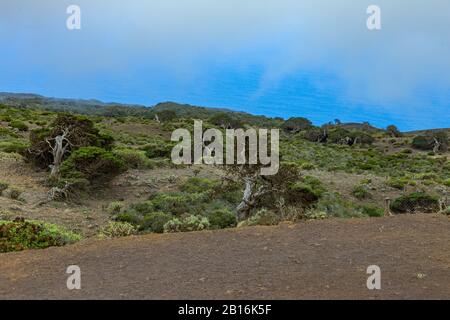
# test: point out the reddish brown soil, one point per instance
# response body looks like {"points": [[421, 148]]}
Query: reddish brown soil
{"points": [[317, 259]]}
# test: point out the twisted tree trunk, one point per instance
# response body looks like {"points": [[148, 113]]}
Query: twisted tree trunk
{"points": [[58, 152], [437, 145], [243, 209]]}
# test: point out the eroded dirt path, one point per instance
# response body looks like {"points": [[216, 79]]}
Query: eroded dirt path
{"points": [[317, 259]]}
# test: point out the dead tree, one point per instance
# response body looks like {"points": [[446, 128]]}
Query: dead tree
{"points": [[259, 188], [58, 149], [252, 193], [437, 145]]}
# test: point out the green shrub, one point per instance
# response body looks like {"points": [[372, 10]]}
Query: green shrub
{"points": [[7, 133], [5, 118], [134, 159], [143, 207], [21, 234], [179, 203], [372, 210], [13, 146], [263, 217], [306, 165], [115, 207], [294, 125], [306, 191], [3, 186], [226, 121], [199, 185], [393, 131], [187, 224], [398, 183], [158, 150], [428, 140], [91, 164], [116, 229], [415, 202], [360, 192], [82, 133], [315, 134], [129, 217], [155, 221], [167, 115], [447, 182], [17, 124], [317, 215], [335, 206], [222, 218]]}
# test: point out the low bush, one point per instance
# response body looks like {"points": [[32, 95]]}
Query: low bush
{"points": [[19, 125], [335, 206], [158, 150], [143, 207], [129, 217], [372, 210], [447, 183], [431, 140], [263, 217], [13, 146], [199, 185], [91, 164], [294, 125], [317, 215], [187, 224], [115, 207], [222, 218], [361, 192], [178, 203], [134, 159], [155, 222], [22, 234], [7, 133], [80, 131], [415, 202], [398, 183], [116, 229], [306, 192]]}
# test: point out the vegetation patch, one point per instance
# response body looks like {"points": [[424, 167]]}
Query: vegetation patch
{"points": [[361, 192], [415, 202], [263, 217], [91, 164], [19, 125], [116, 229], [222, 218], [22, 234], [155, 222], [187, 223]]}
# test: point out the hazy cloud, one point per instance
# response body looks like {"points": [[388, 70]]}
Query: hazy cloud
{"points": [[407, 63]]}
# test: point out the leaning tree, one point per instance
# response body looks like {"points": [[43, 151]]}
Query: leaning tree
{"points": [[262, 190], [51, 146]]}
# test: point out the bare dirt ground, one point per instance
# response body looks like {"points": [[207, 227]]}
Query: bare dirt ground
{"points": [[310, 260], [88, 214]]}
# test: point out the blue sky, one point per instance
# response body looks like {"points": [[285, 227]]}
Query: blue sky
{"points": [[312, 58]]}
